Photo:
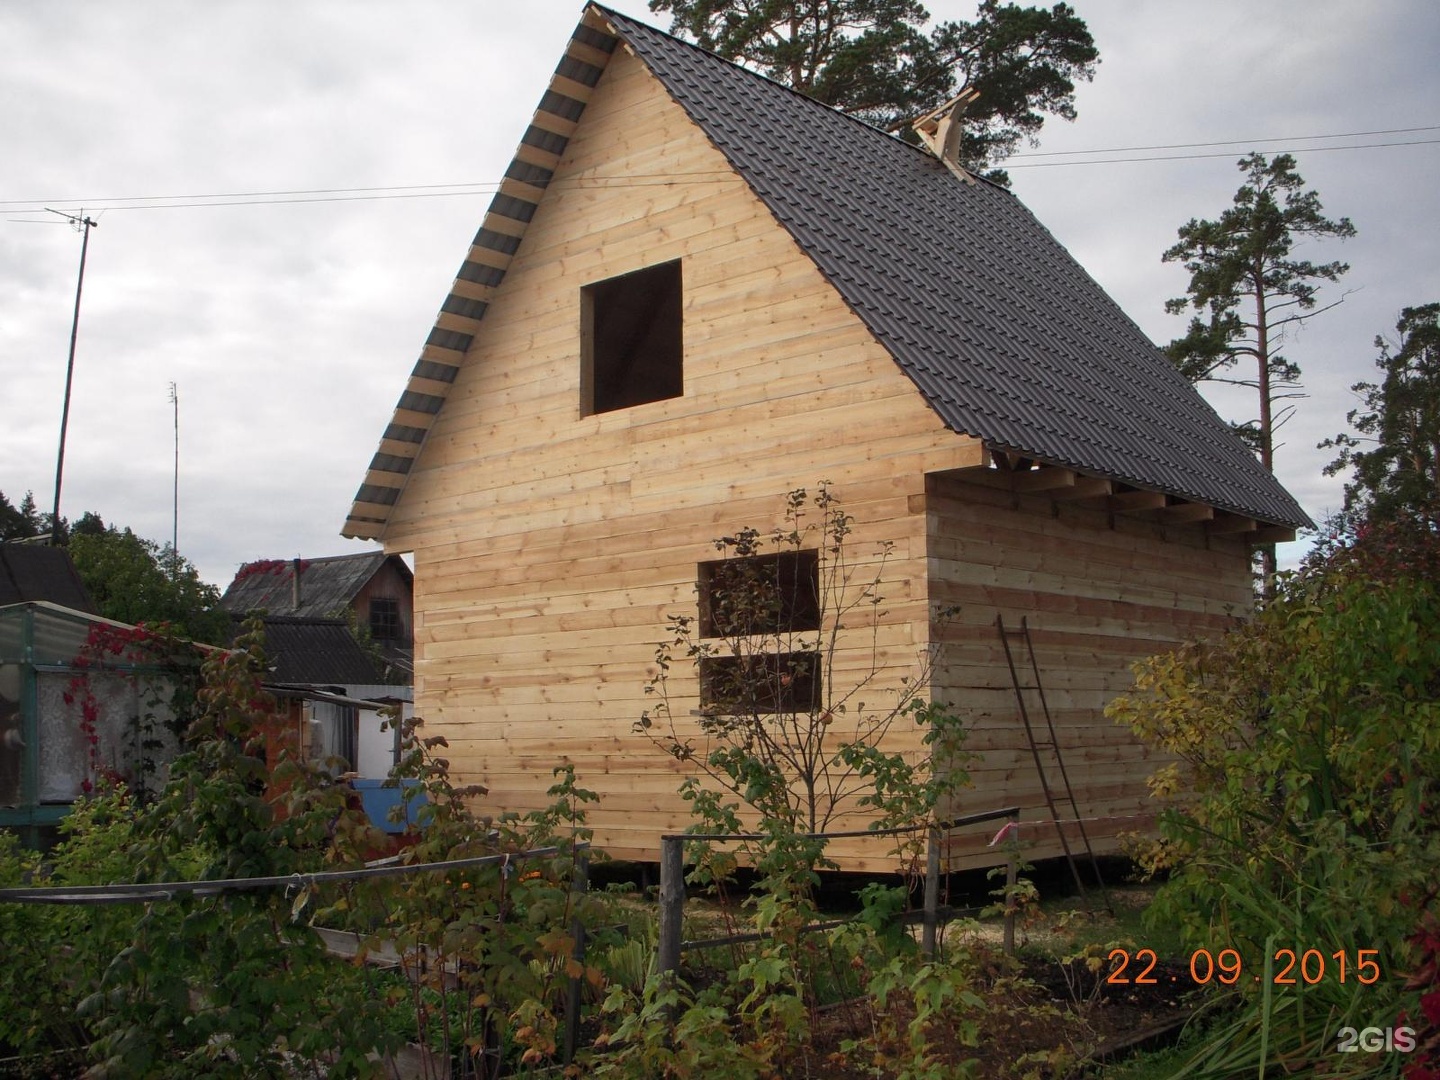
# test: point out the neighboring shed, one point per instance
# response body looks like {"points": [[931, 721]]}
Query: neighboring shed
{"points": [[79, 696], [34, 572], [376, 589], [698, 290]]}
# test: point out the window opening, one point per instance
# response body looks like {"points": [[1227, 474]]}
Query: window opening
{"points": [[385, 619], [760, 594], [765, 599], [787, 682], [631, 342]]}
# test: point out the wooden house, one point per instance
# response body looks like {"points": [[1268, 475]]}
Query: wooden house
{"points": [[697, 290], [373, 589]]}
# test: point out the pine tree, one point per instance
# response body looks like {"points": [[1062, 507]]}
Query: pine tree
{"points": [[1251, 291], [875, 60], [1398, 476]]}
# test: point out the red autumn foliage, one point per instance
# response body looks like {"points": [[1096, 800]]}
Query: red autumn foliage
{"points": [[278, 568]]}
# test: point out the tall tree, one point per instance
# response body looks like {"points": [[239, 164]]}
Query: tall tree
{"points": [[875, 60], [1251, 290], [1395, 449], [19, 522], [134, 580]]}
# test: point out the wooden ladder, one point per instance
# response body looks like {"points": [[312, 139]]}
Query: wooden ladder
{"points": [[1023, 634]]}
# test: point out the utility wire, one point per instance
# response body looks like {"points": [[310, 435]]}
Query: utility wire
{"points": [[1220, 154], [1223, 142], [431, 191]]}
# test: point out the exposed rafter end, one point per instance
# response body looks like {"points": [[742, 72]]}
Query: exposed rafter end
{"points": [[1021, 475], [1085, 487], [1123, 502], [1046, 479], [1187, 513]]}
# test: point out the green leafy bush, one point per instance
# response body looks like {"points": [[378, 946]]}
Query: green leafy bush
{"points": [[239, 983], [1303, 810]]}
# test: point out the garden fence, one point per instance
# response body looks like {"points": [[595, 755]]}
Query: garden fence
{"points": [[672, 884]]}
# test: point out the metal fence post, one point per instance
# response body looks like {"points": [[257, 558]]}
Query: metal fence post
{"points": [[932, 892], [1012, 873], [672, 904]]}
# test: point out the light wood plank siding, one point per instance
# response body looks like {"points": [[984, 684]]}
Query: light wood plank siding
{"points": [[550, 546], [1100, 592]]}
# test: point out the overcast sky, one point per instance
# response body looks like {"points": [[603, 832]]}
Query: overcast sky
{"points": [[290, 323]]}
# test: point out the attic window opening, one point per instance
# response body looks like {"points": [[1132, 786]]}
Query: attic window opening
{"points": [[631, 344]]}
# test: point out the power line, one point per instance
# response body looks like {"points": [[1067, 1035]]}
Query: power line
{"points": [[1223, 142], [430, 191], [1220, 154], [243, 194], [332, 195]]}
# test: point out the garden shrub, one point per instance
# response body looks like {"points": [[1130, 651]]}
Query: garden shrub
{"points": [[1304, 807], [783, 748], [240, 984]]}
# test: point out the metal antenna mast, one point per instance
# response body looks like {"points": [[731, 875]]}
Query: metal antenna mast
{"points": [[175, 519], [87, 225]]}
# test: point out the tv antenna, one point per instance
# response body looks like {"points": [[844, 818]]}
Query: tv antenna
{"points": [[175, 519], [83, 224]]}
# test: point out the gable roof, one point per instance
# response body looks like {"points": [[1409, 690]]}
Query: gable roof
{"points": [[1004, 334], [33, 572], [327, 585]]}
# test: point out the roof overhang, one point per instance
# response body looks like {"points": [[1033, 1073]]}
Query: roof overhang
{"points": [[1062, 484], [481, 274]]}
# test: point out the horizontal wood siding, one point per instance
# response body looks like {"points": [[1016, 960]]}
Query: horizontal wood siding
{"points": [[550, 546], [1099, 592]]}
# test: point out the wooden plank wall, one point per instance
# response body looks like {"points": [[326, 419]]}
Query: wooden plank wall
{"points": [[1100, 592], [549, 546]]}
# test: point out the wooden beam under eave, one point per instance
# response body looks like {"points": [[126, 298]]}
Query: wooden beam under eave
{"points": [[1272, 534], [1085, 487], [982, 474], [1129, 501], [1186, 513], [1046, 478], [1230, 524]]}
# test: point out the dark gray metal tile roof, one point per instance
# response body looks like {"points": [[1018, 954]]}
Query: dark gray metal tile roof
{"points": [[30, 572], [1005, 334]]}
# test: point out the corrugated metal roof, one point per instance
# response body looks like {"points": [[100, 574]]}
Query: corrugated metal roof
{"points": [[1005, 335], [327, 585], [314, 652]]}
